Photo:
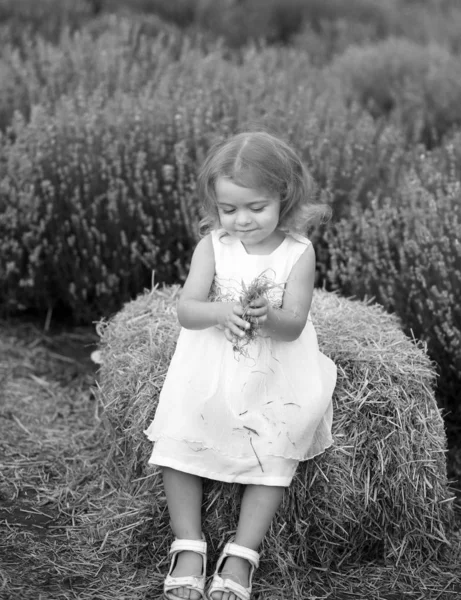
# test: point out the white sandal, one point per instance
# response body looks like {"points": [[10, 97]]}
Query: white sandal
{"points": [[229, 585], [189, 581]]}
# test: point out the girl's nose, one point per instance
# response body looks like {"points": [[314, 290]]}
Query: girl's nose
{"points": [[243, 217]]}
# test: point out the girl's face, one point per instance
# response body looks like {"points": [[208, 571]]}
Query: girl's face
{"points": [[248, 214]]}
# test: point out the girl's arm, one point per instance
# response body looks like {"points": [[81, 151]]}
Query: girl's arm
{"points": [[194, 310], [286, 323]]}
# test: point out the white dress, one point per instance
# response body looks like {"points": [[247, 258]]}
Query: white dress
{"points": [[246, 418]]}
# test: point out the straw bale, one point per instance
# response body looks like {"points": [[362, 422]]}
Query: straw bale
{"points": [[380, 492]]}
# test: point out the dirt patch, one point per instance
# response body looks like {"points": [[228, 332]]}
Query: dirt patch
{"points": [[25, 512]]}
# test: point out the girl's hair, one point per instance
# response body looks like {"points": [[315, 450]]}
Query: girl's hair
{"points": [[259, 160]]}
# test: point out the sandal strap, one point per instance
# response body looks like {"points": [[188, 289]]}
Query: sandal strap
{"points": [[224, 584], [178, 545], [228, 585], [190, 582], [233, 549]]}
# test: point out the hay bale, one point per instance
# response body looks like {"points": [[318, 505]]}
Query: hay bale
{"points": [[379, 493]]}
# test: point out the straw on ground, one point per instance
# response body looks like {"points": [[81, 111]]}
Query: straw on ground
{"points": [[81, 517]]}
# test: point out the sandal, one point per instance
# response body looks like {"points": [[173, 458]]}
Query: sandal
{"points": [[228, 585], [191, 582]]}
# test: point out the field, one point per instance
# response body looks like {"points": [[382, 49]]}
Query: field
{"points": [[105, 106]]}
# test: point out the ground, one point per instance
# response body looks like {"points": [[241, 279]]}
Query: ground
{"points": [[62, 524]]}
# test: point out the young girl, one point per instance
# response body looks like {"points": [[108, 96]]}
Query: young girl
{"points": [[234, 407]]}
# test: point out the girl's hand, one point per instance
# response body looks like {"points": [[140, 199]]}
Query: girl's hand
{"points": [[230, 319], [259, 307], [230, 337]]}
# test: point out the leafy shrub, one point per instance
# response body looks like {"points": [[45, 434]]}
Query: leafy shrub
{"points": [[121, 58], [323, 27], [85, 178], [328, 30], [420, 86], [450, 154], [240, 22], [333, 39], [181, 12], [330, 27], [274, 21], [406, 254], [87, 209], [47, 17], [335, 24], [375, 13], [430, 21]]}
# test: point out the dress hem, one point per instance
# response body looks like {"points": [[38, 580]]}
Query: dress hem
{"points": [[306, 456], [163, 461], [264, 480]]}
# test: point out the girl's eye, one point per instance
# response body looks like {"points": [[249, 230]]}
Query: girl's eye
{"points": [[232, 210]]}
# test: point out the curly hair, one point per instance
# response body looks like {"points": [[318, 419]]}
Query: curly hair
{"points": [[259, 160]]}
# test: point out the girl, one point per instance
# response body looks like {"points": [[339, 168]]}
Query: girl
{"points": [[237, 407]]}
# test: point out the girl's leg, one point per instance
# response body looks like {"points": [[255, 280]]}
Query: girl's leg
{"points": [[184, 498], [259, 505]]}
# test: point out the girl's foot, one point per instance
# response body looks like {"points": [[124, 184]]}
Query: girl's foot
{"points": [[187, 563], [237, 569]]}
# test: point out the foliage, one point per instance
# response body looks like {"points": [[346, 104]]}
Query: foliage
{"points": [[115, 54], [430, 21], [89, 168], [333, 24], [419, 85], [46, 17], [324, 27], [406, 254], [86, 213]]}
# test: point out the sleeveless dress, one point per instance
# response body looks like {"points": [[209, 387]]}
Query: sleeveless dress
{"points": [[247, 417]]}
